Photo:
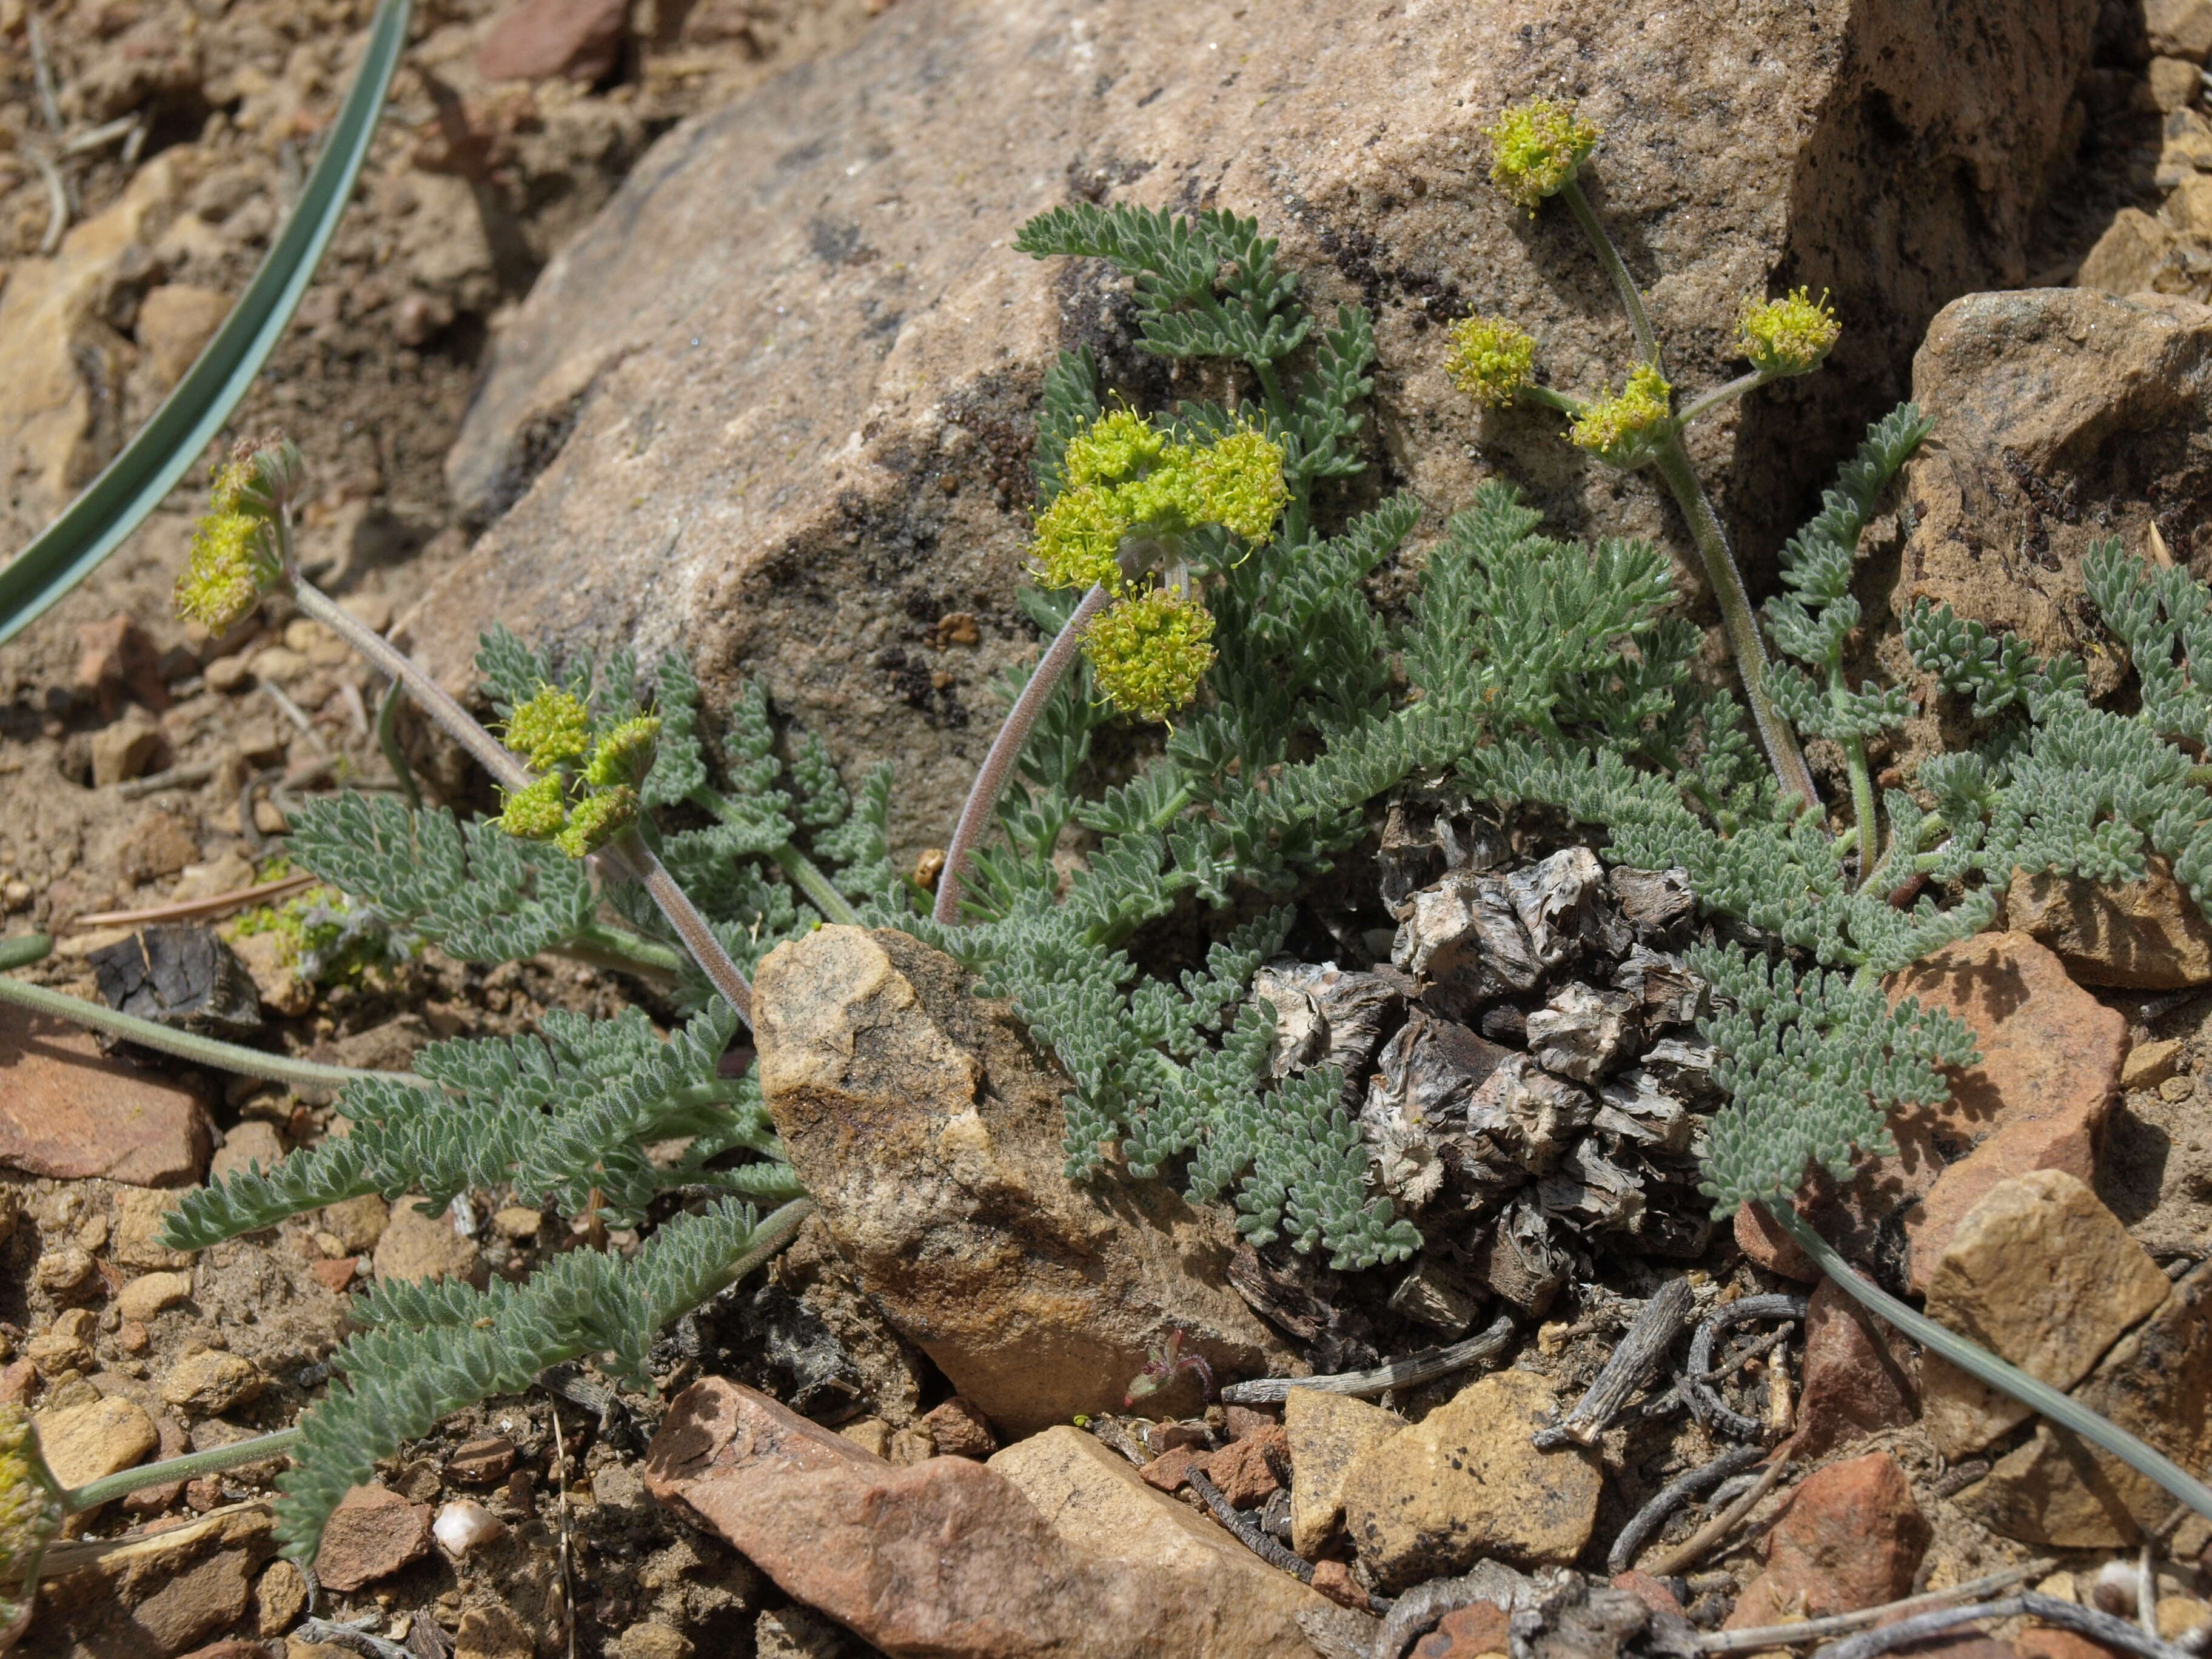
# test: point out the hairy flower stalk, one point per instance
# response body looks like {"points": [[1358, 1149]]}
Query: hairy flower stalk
{"points": [[1538, 148], [234, 561], [1130, 496]]}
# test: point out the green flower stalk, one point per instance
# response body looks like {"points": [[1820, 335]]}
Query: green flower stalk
{"points": [[1129, 497]]}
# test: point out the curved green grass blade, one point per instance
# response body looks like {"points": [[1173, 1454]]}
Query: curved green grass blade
{"points": [[132, 485]]}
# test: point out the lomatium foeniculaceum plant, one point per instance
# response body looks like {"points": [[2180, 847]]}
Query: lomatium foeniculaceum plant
{"points": [[1206, 580]]}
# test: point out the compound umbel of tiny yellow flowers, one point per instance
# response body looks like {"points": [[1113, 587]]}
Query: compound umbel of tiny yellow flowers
{"points": [[1149, 649], [1790, 336], [1490, 360], [553, 728], [1626, 426], [1536, 149], [1124, 477], [236, 556]]}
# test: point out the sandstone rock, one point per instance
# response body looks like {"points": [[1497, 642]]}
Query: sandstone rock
{"points": [[150, 1294], [1859, 1375], [2066, 416], [127, 745], [372, 1534], [2130, 256], [537, 39], [1170, 1470], [2042, 1274], [482, 1462], [251, 1143], [210, 1382], [950, 1559], [2182, 27], [65, 1345], [99, 1438], [174, 321], [931, 1136], [1091, 1498], [140, 1216], [336, 1274], [115, 656], [163, 1593], [69, 1111], [800, 1633], [416, 1246], [64, 365], [1464, 1483], [1334, 1579], [2051, 1064], [357, 1223], [2144, 935], [280, 1597], [493, 1632], [2149, 1064], [656, 1641], [960, 1429], [852, 358], [1327, 1433], [2156, 1383], [2175, 82], [1850, 1538]]}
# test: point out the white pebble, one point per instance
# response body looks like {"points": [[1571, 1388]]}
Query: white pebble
{"points": [[464, 1525]]}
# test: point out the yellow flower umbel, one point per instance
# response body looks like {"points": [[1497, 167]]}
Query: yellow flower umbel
{"points": [[1790, 336], [1536, 149], [1627, 425], [1490, 360], [1123, 477], [236, 554], [589, 792], [1149, 650]]}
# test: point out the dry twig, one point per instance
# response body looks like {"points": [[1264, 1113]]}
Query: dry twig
{"points": [[1693, 1548], [1633, 1358], [1398, 1374]]}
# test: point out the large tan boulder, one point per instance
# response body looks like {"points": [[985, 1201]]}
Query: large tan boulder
{"points": [[775, 404]]}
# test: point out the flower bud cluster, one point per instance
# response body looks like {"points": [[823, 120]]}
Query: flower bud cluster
{"points": [[236, 555], [588, 794]]}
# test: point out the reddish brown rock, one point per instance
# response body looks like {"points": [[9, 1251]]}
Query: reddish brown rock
{"points": [[1240, 1420], [1465, 1632], [336, 1277], [2048, 1642], [1850, 1538], [482, 1462], [1334, 1579], [2038, 1100], [960, 1430], [1246, 1469], [373, 1533], [115, 657], [945, 1557], [67, 1110], [1648, 1590], [167, 1593], [231, 1647], [538, 38], [2144, 935], [1170, 1470], [1859, 1375]]}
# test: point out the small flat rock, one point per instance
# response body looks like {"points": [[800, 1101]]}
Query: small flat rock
{"points": [[150, 1294], [1464, 1483], [2140, 936], [1170, 1470], [2149, 1064], [1850, 1538], [211, 1382], [2156, 1383], [140, 1216], [2042, 1274], [357, 1223], [1860, 1377], [482, 1462], [1245, 1469], [167, 1593], [954, 1559], [336, 1276], [69, 1111], [252, 1143], [538, 38], [1466, 1633], [99, 1438], [493, 1632], [414, 1246], [960, 1430], [372, 1534], [2038, 1100], [1327, 1433]]}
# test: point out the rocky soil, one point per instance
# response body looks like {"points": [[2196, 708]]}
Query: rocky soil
{"points": [[797, 445]]}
